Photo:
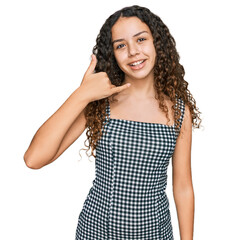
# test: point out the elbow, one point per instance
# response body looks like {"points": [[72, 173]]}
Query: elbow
{"points": [[30, 162], [30, 165], [180, 190]]}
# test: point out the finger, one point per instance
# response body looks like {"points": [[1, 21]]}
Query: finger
{"points": [[120, 88], [92, 65]]}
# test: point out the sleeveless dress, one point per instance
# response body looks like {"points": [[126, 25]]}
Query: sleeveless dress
{"points": [[128, 200]]}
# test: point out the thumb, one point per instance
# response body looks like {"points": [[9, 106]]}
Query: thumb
{"points": [[92, 65]]}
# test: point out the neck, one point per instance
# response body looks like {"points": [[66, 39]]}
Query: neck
{"points": [[142, 88]]}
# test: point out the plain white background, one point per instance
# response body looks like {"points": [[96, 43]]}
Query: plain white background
{"points": [[45, 48]]}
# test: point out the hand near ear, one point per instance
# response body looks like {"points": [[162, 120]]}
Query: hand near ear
{"points": [[98, 85]]}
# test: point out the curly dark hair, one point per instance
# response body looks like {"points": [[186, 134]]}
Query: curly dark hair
{"points": [[168, 72]]}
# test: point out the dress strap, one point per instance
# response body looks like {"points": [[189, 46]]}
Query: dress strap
{"points": [[107, 110], [181, 105]]}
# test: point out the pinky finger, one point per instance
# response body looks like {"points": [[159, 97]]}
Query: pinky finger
{"points": [[121, 88]]}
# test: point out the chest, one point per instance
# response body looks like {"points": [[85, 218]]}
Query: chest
{"points": [[141, 111]]}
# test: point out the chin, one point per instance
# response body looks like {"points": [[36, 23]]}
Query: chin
{"points": [[140, 75]]}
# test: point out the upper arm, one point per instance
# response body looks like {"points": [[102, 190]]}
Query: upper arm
{"points": [[74, 132], [181, 159]]}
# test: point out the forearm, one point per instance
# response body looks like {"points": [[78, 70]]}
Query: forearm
{"points": [[184, 201], [47, 139]]}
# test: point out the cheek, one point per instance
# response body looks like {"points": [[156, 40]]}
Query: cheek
{"points": [[150, 50], [116, 57], [121, 63], [153, 51], [119, 58]]}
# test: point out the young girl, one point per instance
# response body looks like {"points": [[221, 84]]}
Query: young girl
{"points": [[139, 113]]}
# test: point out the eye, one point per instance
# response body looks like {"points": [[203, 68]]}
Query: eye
{"points": [[141, 39], [119, 46]]}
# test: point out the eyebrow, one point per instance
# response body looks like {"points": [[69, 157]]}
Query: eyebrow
{"points": [[122, 39]]}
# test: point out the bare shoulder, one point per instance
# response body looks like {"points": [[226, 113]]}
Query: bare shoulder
{"points": [[187, 120], [186, 127]]}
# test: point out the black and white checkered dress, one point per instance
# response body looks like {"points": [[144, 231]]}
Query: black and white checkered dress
{"points": [[128, 200]]}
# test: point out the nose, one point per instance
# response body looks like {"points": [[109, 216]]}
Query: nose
{"points": [[133, 49]]}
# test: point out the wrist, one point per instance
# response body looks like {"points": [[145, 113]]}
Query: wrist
{"points": [[83, 95]]}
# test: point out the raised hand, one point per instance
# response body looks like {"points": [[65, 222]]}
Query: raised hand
{"points": [[98, 85]]}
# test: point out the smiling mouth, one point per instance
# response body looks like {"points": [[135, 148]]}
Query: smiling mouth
{"points": [[137, 63]]}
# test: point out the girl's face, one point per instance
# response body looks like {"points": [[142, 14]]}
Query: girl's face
{"points": [[133, 44]]}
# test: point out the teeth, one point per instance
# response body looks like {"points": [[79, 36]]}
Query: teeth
{"points": [[136, 63]]}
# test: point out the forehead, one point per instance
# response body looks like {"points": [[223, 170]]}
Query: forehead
{"points": [[127, 27]]}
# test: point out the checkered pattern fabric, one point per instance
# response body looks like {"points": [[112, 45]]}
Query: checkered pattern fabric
{"points": [[128, 200]]}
